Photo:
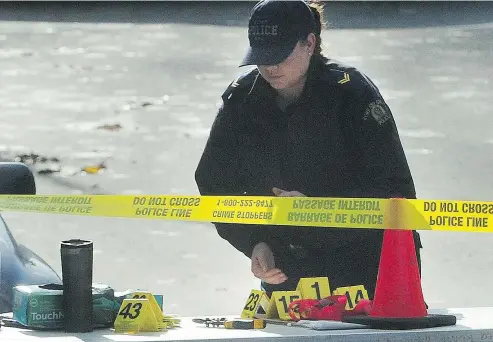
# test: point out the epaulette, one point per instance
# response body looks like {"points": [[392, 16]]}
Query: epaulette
{"points": [[242, 83], [346, 76]]}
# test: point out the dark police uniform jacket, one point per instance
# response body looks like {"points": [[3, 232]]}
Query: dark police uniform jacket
{"points": [[338, 140]]}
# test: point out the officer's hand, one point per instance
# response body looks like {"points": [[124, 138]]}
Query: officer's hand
{"points": [[263, 265], [285, 193]]}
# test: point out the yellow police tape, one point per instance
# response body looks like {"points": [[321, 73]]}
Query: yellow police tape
{"points": [[465, 216]]}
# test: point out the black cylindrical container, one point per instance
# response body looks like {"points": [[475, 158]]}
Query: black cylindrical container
{"points": [[77, 258]]}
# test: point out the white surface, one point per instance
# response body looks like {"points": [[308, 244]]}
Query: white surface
{"points": [[473, 324]]}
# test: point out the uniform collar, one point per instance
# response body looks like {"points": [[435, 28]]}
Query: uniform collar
{"points": [[261, 88]]}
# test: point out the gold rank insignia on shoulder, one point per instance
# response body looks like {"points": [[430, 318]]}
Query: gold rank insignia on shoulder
{"points": [[345, 79]]}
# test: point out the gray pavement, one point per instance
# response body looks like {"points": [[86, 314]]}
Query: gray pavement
{"points": [[137, 87]]}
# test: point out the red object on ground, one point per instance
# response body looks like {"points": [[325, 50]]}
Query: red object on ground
{"points": [[332, 308], [363, 308], [329, 308]]}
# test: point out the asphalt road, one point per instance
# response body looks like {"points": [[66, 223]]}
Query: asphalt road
{"points": [[136, 86]]}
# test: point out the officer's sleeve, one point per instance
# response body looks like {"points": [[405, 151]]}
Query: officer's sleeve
{"points": [[378, 155], [217, 174]]}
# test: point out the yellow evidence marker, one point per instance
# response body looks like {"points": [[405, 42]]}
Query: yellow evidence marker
{"points": [[279, 303], [353, 294], [256, 300], [136, 315], [314, 288]]}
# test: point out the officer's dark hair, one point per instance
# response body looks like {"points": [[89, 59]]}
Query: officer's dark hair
{"points": [[318, 11]]}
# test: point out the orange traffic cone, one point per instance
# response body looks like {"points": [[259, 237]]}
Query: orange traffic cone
{"points": [[398, 292], [398, 302]]}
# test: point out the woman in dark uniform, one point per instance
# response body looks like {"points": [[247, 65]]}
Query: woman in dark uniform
{"points": [[301, 124]]}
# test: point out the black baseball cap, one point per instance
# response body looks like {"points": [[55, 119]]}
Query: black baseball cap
{"points": [[274, 29]]}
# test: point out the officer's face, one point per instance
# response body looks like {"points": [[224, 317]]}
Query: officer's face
{"points": [[291, 72]]}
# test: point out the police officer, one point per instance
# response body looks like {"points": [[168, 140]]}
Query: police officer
{"points": [[302, 124]]}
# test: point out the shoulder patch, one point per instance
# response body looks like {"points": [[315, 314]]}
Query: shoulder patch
{"points": [[364, 94], [379, 110]]}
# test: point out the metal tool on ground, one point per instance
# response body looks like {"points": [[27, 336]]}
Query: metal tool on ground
{"points": [[244, 324]]}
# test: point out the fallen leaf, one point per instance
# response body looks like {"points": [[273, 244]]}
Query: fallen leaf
{"points": [[47, 171], [114, 127], [93, 169]]}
